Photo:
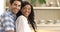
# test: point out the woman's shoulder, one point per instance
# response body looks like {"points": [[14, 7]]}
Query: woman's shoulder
{"points": [[21, 17]]}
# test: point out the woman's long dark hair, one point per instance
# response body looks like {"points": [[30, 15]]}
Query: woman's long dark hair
{"points": [[31, 16]]}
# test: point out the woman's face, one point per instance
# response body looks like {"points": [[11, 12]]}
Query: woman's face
{"points": [[26, 10]]}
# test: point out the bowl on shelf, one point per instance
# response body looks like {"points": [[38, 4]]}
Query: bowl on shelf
{"points": [[50, 22]]}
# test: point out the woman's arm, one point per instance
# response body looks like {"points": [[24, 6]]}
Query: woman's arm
{"points": [[19, 25]]}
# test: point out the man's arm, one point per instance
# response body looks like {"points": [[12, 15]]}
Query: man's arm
{"points": [[8, 24], [10, 31]]}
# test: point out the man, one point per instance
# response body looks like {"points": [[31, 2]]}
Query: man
{"points": [[8, 18]]}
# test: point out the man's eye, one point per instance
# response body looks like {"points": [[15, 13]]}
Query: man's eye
{"points": [[15, 4]]}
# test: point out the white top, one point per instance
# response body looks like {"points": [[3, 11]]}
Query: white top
{"points": [[22, 24]]}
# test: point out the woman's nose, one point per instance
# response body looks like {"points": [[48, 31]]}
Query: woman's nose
{"points": [[27, 10]]}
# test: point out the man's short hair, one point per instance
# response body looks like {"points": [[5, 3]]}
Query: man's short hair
{"points": [[11, 1]]}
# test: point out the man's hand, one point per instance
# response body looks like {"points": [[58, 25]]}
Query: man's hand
{"points": [[10, 31]]}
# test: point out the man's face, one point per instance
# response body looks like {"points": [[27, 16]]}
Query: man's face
{"points": [[15, 6]]}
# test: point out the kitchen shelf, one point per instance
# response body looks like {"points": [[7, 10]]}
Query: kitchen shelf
{"points": [[46, 8], [49, 25]]}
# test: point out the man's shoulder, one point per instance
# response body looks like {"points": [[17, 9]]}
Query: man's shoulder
{"points": [[5, 14]]}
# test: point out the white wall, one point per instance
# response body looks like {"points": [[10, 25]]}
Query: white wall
{"points": [[1, 6]]}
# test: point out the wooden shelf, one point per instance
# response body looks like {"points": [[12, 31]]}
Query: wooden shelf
{"points": [[49, 25], [46, 7]]}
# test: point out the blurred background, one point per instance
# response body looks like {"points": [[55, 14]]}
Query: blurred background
{"points": [[41, 3], [47, 14]]}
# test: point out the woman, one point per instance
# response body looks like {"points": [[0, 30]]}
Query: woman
{"points": [[25, 18]]}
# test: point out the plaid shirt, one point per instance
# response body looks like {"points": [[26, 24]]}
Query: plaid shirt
{"points": [[7, 20]]}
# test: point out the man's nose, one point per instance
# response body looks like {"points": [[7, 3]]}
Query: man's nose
{"points": [[16, 6]]}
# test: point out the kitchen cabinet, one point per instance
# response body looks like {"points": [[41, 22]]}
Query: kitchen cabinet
{"points": [[47, 13]]}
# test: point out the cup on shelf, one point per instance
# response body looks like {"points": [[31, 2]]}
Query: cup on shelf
{"points": [[42, 21], [57, 21], [50, 4], [58, 3], [50, 21]]}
